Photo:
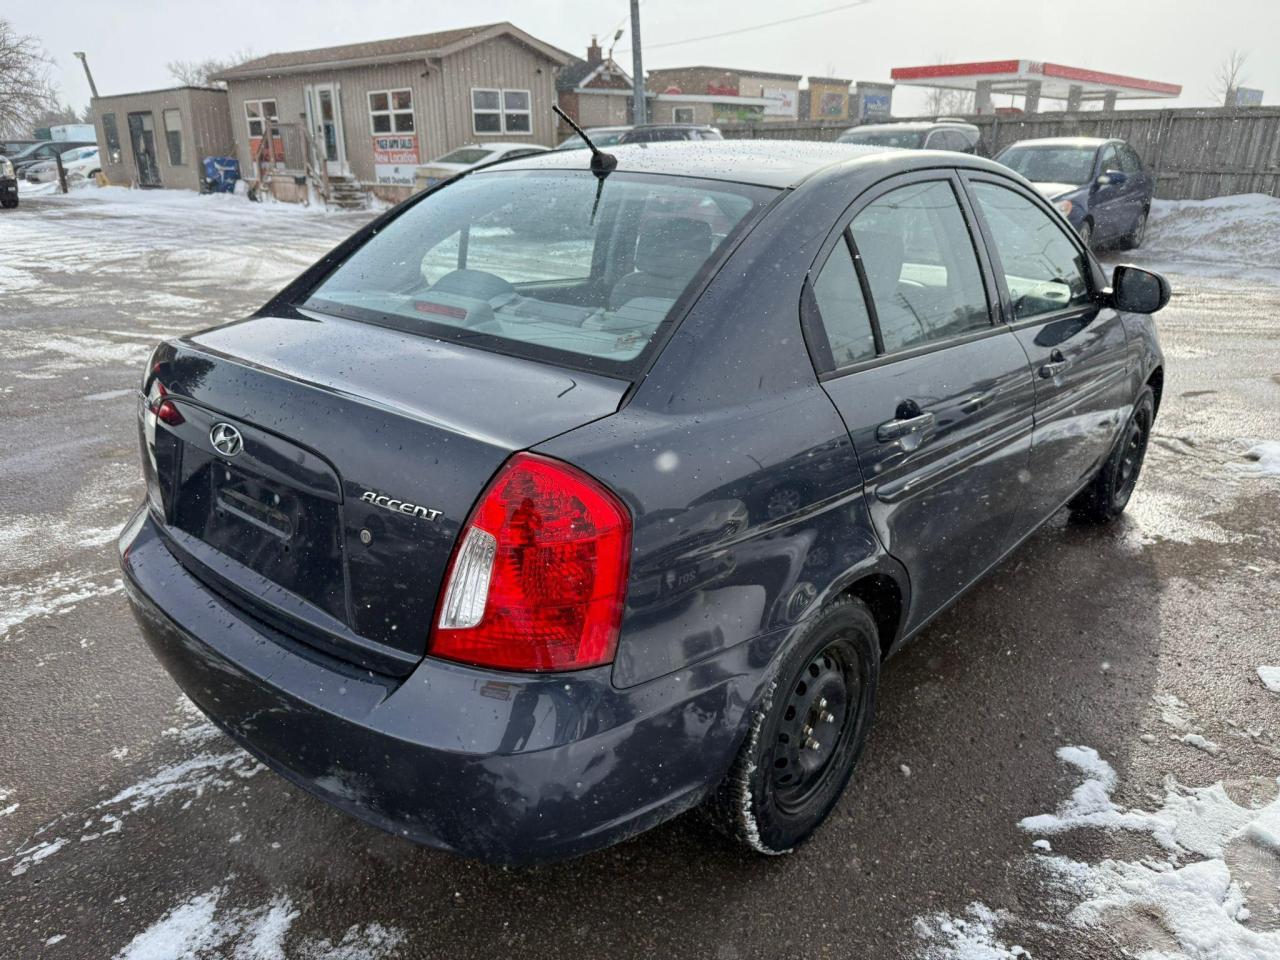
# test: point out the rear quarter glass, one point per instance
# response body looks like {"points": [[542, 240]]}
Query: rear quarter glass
{"points": [[553, 266]]}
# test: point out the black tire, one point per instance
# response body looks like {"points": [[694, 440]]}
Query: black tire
{"points": [[1109, 491], [832, 672], [8, 204], [1133, 239], [1086, 234]]}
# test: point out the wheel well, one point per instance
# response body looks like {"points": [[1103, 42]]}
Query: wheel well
{"points": [[1156, 383], [884, 599]]}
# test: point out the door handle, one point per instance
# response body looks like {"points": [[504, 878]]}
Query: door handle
{"points": [[1057, 363], [896, 429]]}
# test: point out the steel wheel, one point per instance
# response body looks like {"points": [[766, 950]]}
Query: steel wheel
{"points": [[817, 721], [1086, 233], [1133, 450]]}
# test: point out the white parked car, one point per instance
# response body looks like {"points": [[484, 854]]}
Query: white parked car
{"points": [[79, 162], [472, 155]]}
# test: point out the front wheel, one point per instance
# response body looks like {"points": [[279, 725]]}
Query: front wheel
{"points": [[1133, 240], [1108, 493], [1086, 234], [805, 736], [8, 204]]}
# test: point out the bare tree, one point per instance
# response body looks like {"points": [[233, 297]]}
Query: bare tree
{"points": [[1229, 76], [53, 115], [26, 91], [939, 102], [199, 73]]}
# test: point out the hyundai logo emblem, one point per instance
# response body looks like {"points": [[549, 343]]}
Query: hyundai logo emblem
{"points": [[226, 439]]}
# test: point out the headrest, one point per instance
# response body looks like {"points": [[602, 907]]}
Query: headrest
{"points": [[673, 246]]}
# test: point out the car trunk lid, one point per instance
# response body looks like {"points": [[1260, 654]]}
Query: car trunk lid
{"points": [[361, 452]]}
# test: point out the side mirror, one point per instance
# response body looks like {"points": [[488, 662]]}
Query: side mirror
{"points": [[1114, 178], [1135, 290]]}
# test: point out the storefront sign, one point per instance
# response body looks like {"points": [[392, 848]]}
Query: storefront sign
{"points": [[395, 157], [782, 102]]}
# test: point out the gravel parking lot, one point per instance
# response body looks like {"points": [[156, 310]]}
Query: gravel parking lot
{"points": [[1110, 685]]}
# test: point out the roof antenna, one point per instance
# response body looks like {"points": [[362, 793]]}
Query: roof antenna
{"points": [[602, 164]]}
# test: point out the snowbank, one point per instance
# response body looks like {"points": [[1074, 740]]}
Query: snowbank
{"points": [[126, 201], [1230, 236]]}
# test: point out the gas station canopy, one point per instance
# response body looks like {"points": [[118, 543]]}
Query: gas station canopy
{"points": [[1033, 80]]}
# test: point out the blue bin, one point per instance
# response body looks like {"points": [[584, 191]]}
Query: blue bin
{"points": [[221, 174]]}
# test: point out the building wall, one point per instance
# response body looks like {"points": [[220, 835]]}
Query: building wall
{"points": [[602, 109], [441, 100], [697, 81], [205, 132]]}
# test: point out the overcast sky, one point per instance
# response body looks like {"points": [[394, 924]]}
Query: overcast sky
{"points": [[1178, 41]]}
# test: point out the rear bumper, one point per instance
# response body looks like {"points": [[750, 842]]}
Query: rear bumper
{"points": [[499, 767]]}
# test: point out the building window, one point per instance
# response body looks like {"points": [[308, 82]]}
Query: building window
{"points": [[111, 133], [259, 115], [173, 135], [501, 111], [258, 111], [682, 114], [391, 111]]}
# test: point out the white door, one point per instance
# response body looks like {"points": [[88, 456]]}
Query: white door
{"points": [[324, 116]]}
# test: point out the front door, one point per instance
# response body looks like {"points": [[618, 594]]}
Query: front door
{"points": [[142, 134], [1077, 348], [324, 116], [936, 394]]}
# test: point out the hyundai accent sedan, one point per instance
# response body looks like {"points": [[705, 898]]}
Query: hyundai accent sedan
{"points": [[520, 548]]}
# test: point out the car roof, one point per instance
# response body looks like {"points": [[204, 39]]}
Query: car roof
{"points": [[910, 125], [769, 163], [1082, 142]]}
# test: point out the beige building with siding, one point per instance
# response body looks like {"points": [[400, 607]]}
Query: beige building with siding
{"points": [[159, 138], [369, 113]]}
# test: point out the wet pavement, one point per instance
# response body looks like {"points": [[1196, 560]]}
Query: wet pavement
{"points": [[128, 824]]}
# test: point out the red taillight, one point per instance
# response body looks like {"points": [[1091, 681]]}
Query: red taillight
{"points": [[166, 410], [539, 576]]}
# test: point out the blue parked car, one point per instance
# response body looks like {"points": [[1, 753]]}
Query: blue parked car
{"points": [[1100, 185], [520, 546]]}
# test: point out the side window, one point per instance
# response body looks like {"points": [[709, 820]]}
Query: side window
{"points": [[1044, 270], [921, 267], [1129, 161], [844, 312], [1109, 159]]}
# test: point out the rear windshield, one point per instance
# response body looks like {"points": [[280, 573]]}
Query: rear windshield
{"points": [[465, 155], [906, 139], [601, 138], [550, 265], [1051, 164]]}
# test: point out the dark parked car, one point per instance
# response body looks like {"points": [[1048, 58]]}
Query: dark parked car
{"points": [[519, 549], [654, 132], [1099, 185], [9, 147], [8, 184], [936, 135], [44, 150]]}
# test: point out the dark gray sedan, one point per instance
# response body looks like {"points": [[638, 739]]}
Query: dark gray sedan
{"points": [[518, 547]]}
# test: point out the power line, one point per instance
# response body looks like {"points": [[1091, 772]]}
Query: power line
{"points": [[759, 26]]}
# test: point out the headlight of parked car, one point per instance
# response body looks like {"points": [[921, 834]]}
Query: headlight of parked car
{"points": [[6, 167], [1065, 206]]}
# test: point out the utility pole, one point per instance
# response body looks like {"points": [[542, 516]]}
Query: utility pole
{"points": [[93, 87], [637, 68]]}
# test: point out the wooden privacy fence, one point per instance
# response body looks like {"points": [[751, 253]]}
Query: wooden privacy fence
{"points": [[1196, 154]]}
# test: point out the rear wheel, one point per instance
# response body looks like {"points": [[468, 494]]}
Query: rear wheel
{"points": [[805, 736], [1108, 493], [8, 204]]}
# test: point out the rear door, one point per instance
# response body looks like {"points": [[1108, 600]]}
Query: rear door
{"points": [[1108, 202], [1076, 347], [936, 395]]}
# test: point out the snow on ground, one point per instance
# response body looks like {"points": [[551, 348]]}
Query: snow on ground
{"points": [[1263, 457], [1194, 902], [216, 765], [205, 927], [1270, 677], [1236, 236]]}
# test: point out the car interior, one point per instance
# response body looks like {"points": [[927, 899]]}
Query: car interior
{"points": [[594, 282]]}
